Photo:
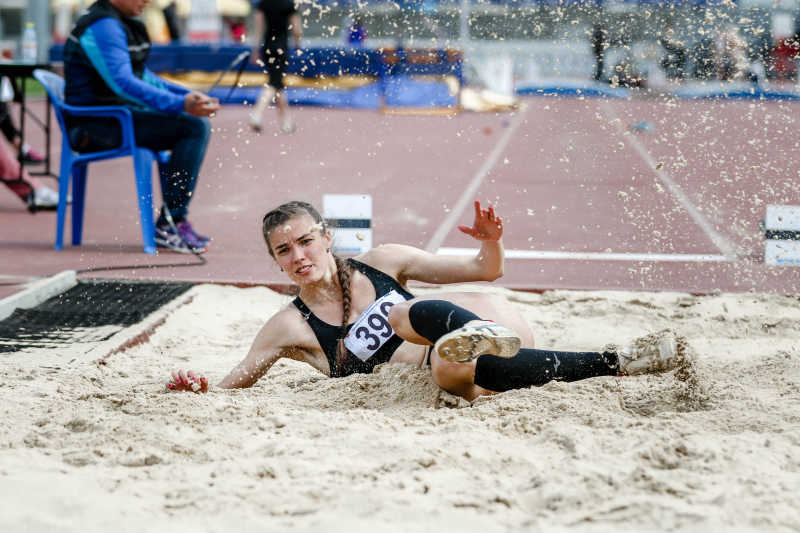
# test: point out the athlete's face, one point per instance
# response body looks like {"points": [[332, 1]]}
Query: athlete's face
{"points": [[130, 8], [301, 249]]}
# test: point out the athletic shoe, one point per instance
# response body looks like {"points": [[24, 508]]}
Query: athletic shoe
{"points": [[181, 239], [476, 338], [45, 198], [255, 124], [29, 155], [187, 228], [288, 127], [653, 353]]}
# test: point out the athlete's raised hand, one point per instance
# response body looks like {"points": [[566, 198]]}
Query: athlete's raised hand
{"points": [[187, 380], [487, 226]]}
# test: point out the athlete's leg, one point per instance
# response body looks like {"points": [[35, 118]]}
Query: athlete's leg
{"points": [[457, 378], [284, 118], [435, 321], [264, 99], [281, 98], [480, 305], [528, 368]]}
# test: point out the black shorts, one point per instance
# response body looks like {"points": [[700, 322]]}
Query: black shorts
{"points": [[275, 62]]}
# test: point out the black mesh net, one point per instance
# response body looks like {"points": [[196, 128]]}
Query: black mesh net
{"points": [[89, 312]]}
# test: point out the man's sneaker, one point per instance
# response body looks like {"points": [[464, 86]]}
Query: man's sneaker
{"points": [[653, 353], [180, 240], [186, 228], [476, 338], [29, 155]]}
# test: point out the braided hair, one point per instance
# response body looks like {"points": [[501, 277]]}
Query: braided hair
{"points": [[344, 271]]}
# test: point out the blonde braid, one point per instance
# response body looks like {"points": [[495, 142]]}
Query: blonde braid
{"points": [[344, 272]]}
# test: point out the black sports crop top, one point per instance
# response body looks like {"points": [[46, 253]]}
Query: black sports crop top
{"points": [[328, 334]]}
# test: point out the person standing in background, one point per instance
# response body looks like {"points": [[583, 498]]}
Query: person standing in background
{"points": [[170, 12], [675, 58], [273, 21], [730, 54], [356, 32], [599, 45]]}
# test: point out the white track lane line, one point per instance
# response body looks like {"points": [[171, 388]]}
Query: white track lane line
{"points": [[593, 256], [723, 244], [468, 196]]}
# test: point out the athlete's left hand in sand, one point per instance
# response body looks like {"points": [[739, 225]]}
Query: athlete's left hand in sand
{"points": [[187, 380], [487, 226]]}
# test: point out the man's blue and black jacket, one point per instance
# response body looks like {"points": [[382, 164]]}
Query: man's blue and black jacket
{"points": [[104, 64]]}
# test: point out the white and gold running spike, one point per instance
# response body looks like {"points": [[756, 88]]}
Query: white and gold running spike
{"points": [[652, 353], [476, 338]]}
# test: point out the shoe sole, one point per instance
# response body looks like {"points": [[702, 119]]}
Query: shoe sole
{"points": [[671, 350], [181, 250], [469, 342], [161, 245]]}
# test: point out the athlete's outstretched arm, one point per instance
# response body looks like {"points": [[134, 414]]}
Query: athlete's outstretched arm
{"points": [[486, 265], [268, 346]]}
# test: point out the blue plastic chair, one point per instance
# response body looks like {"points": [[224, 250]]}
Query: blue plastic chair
{"points": [[75, 164]]}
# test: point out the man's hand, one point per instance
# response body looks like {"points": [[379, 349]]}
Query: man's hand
{"points": [[187, 380], [200, 105], [486, 227]]}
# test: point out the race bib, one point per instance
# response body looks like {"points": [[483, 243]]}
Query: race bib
{"points": [[372, 329]]}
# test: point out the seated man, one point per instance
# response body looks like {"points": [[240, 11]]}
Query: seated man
{"points": [[104, 64]]}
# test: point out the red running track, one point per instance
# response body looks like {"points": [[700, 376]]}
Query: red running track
{"points": [[588, 202]]}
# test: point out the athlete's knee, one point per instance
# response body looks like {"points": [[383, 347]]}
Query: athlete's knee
{"points": [[398, 318], [399, 311]]}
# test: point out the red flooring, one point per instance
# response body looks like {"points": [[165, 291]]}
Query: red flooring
{"points": [[572, 178]]}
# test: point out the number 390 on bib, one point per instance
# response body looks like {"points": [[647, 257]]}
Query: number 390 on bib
{"points": [[372, 329]]}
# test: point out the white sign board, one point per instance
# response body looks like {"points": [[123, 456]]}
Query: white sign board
{"points": [[205, 23], [350, 218], [784, 253], [497, 73], [783, 217], [782, 24], [782, 225]]}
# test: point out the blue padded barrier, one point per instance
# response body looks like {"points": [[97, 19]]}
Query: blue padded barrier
{"points": [[308, 62]]}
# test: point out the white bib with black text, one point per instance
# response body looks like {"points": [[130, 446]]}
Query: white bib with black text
{"points": [[372, 329]]}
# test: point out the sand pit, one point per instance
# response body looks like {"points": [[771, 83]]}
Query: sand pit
{"points": [[88, 447]]}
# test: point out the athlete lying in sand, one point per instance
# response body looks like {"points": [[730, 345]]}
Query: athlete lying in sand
{"points": [[354, 314]]}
